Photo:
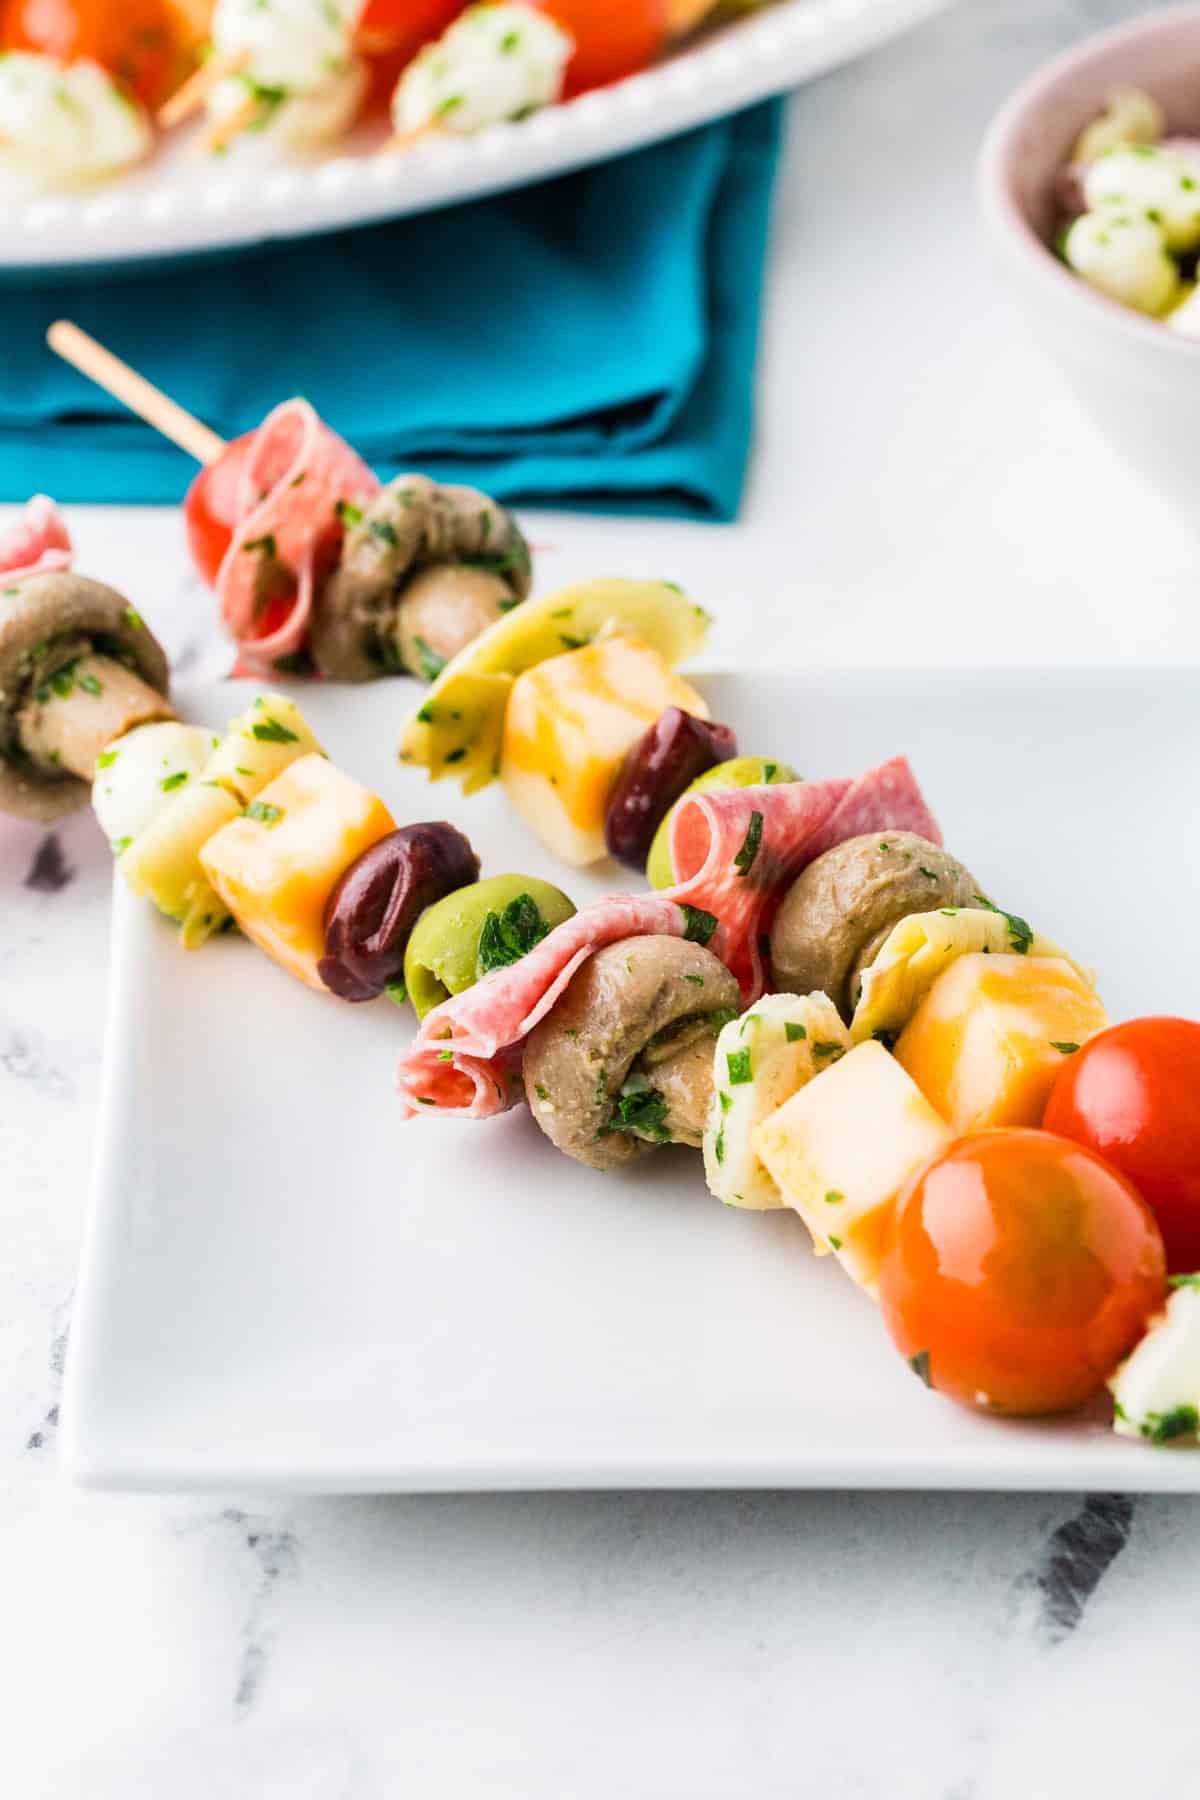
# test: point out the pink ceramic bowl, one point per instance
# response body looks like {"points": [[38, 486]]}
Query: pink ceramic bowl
{"points": [[1140, 381]]}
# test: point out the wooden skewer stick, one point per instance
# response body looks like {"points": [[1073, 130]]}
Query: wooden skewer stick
{"points": [[195, 91], [684, 15], [404, 140], [134, 391], [222, 132]]}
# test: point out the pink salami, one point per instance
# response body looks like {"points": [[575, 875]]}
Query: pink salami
{"points": [[884, 799], [37, 544], [739, 851], [466, 1058], [289, 530]]}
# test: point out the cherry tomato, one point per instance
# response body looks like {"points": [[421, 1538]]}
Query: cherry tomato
{"points": [[210, 509], [1021, 1270], [611, 41], [143, 43], [400, 27], [1133, 1095]]}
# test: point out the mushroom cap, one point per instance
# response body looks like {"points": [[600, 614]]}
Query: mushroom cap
{"points": [[411, 524], [577, 1060], [838, 911], [42, 611]]}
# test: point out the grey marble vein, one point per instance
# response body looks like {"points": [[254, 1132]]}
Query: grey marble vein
{"points": [[49, 872], [1075, 1560], [274, 1551], [23, 1056]]}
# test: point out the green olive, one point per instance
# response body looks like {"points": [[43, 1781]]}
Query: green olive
{"points": [[739, 772], [477, 928]]}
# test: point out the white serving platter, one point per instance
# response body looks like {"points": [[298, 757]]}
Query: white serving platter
{"points": [[181, 202], [284, 1287]]}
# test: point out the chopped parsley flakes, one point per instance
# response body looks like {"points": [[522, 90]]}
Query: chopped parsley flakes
{"points": [[270, 731], [794, 1034], [698, 924], [508, 936], [431, 663], [1162, 1428], [1020, 934], [741, 1068], [642, 1111], [743, 862], [263, 813]]}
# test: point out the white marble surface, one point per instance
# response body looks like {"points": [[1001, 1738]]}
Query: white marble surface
{"points": [[925, 491]]}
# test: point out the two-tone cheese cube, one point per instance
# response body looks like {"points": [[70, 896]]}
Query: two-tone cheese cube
{"points": [[990, 1036], [841, 1149], [276, 864], [569, 723]]}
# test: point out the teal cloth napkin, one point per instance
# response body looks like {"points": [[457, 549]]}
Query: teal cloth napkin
{"points": [[587, 342]]}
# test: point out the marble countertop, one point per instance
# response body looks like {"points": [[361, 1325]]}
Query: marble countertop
{"points": [[925, 491]]}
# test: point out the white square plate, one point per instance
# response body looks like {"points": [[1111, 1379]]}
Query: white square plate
{"points": [[283, 1286]]}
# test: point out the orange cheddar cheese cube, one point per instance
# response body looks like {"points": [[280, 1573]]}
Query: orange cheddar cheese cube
{"points": [[568, 726], [988, 1039], [841, 1149], [276, 865]]}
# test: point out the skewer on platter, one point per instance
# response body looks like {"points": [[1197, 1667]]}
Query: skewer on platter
{"points": [[687, 15], [195, 92], [317, 564], [141, 397]]}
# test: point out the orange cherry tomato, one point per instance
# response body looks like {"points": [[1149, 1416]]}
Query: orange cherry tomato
{"points": [[210, 509], [611, 41], [1021, 1270], [400, 27], [1133, 1095], [145, 44]]}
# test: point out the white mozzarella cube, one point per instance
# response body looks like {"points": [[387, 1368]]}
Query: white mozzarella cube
{"points": [[1156, 1391]]}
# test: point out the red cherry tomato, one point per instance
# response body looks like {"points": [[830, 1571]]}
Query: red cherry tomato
{"points": [[391, 27], [210, 509], [611, 41], [143, 43], [1133, 1095], [1021, 1270]]}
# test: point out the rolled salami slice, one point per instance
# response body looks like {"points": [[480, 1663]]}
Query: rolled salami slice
{"points": [[466, 1058], [293, 488], [37, 544], [742, 848], [887, 798]]}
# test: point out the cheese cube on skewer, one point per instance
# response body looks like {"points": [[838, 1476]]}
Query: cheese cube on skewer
{"points": [[988, 1040], [276, 865], [841, 1149], [569, 723]]}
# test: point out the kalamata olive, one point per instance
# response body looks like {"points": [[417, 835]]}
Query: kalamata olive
{"points": [[371, 912], [667, 759]]}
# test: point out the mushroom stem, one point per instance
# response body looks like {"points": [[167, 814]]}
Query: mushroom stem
{"points": [[444, 609], [685, 1080], [68, 719]]}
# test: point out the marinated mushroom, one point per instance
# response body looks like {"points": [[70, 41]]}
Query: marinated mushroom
{"points": [[424, 570], [623, 1061], [836, 915], [78, 669]]}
